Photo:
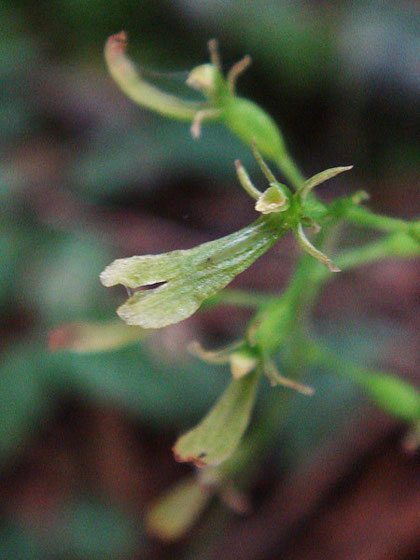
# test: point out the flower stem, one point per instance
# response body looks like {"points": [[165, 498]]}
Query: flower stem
{"points": [[361, 216], [239, 298], [290, 170]]}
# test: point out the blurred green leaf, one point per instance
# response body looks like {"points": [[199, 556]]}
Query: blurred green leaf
{"points": [[8, 261], [312, 423], [62, 277], [90, 529], [150, 153], [82, 529], [19, 54], [160, 393], [289, 37], [23, 402], [21, 543]]}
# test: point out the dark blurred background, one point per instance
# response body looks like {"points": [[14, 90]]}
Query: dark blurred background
{"points": [[86, 176]]}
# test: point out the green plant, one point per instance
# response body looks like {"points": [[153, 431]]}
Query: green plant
{"points": [[281, 324]]}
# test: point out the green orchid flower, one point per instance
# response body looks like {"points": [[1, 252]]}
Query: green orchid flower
{"points": [[220, 104], [188, 277]]}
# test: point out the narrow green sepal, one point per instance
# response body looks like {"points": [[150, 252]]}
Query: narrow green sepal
{"points": [[246, 182], [240, 358], [275, 378], [313, 251], [220, 432], [220, 356], [320, 178]]}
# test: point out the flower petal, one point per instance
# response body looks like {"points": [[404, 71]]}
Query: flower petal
{"points": [[134, 272], [191, 276], [321, 178], [220, 432], [161, 306], [272, 200]]}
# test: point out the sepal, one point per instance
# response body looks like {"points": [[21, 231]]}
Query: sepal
{"points": [[217, 436], [93, 337]]}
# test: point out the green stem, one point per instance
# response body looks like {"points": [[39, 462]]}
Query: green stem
{"points": [[395, 245], [283, 317], [290, 170], [396, 396], [239, 298], [362, 216], [323, 356], [297, 300]]}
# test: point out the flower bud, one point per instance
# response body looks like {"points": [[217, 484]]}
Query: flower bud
{"points": [[172, 514], [132, 83], [204, 78], [252, 124]]}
